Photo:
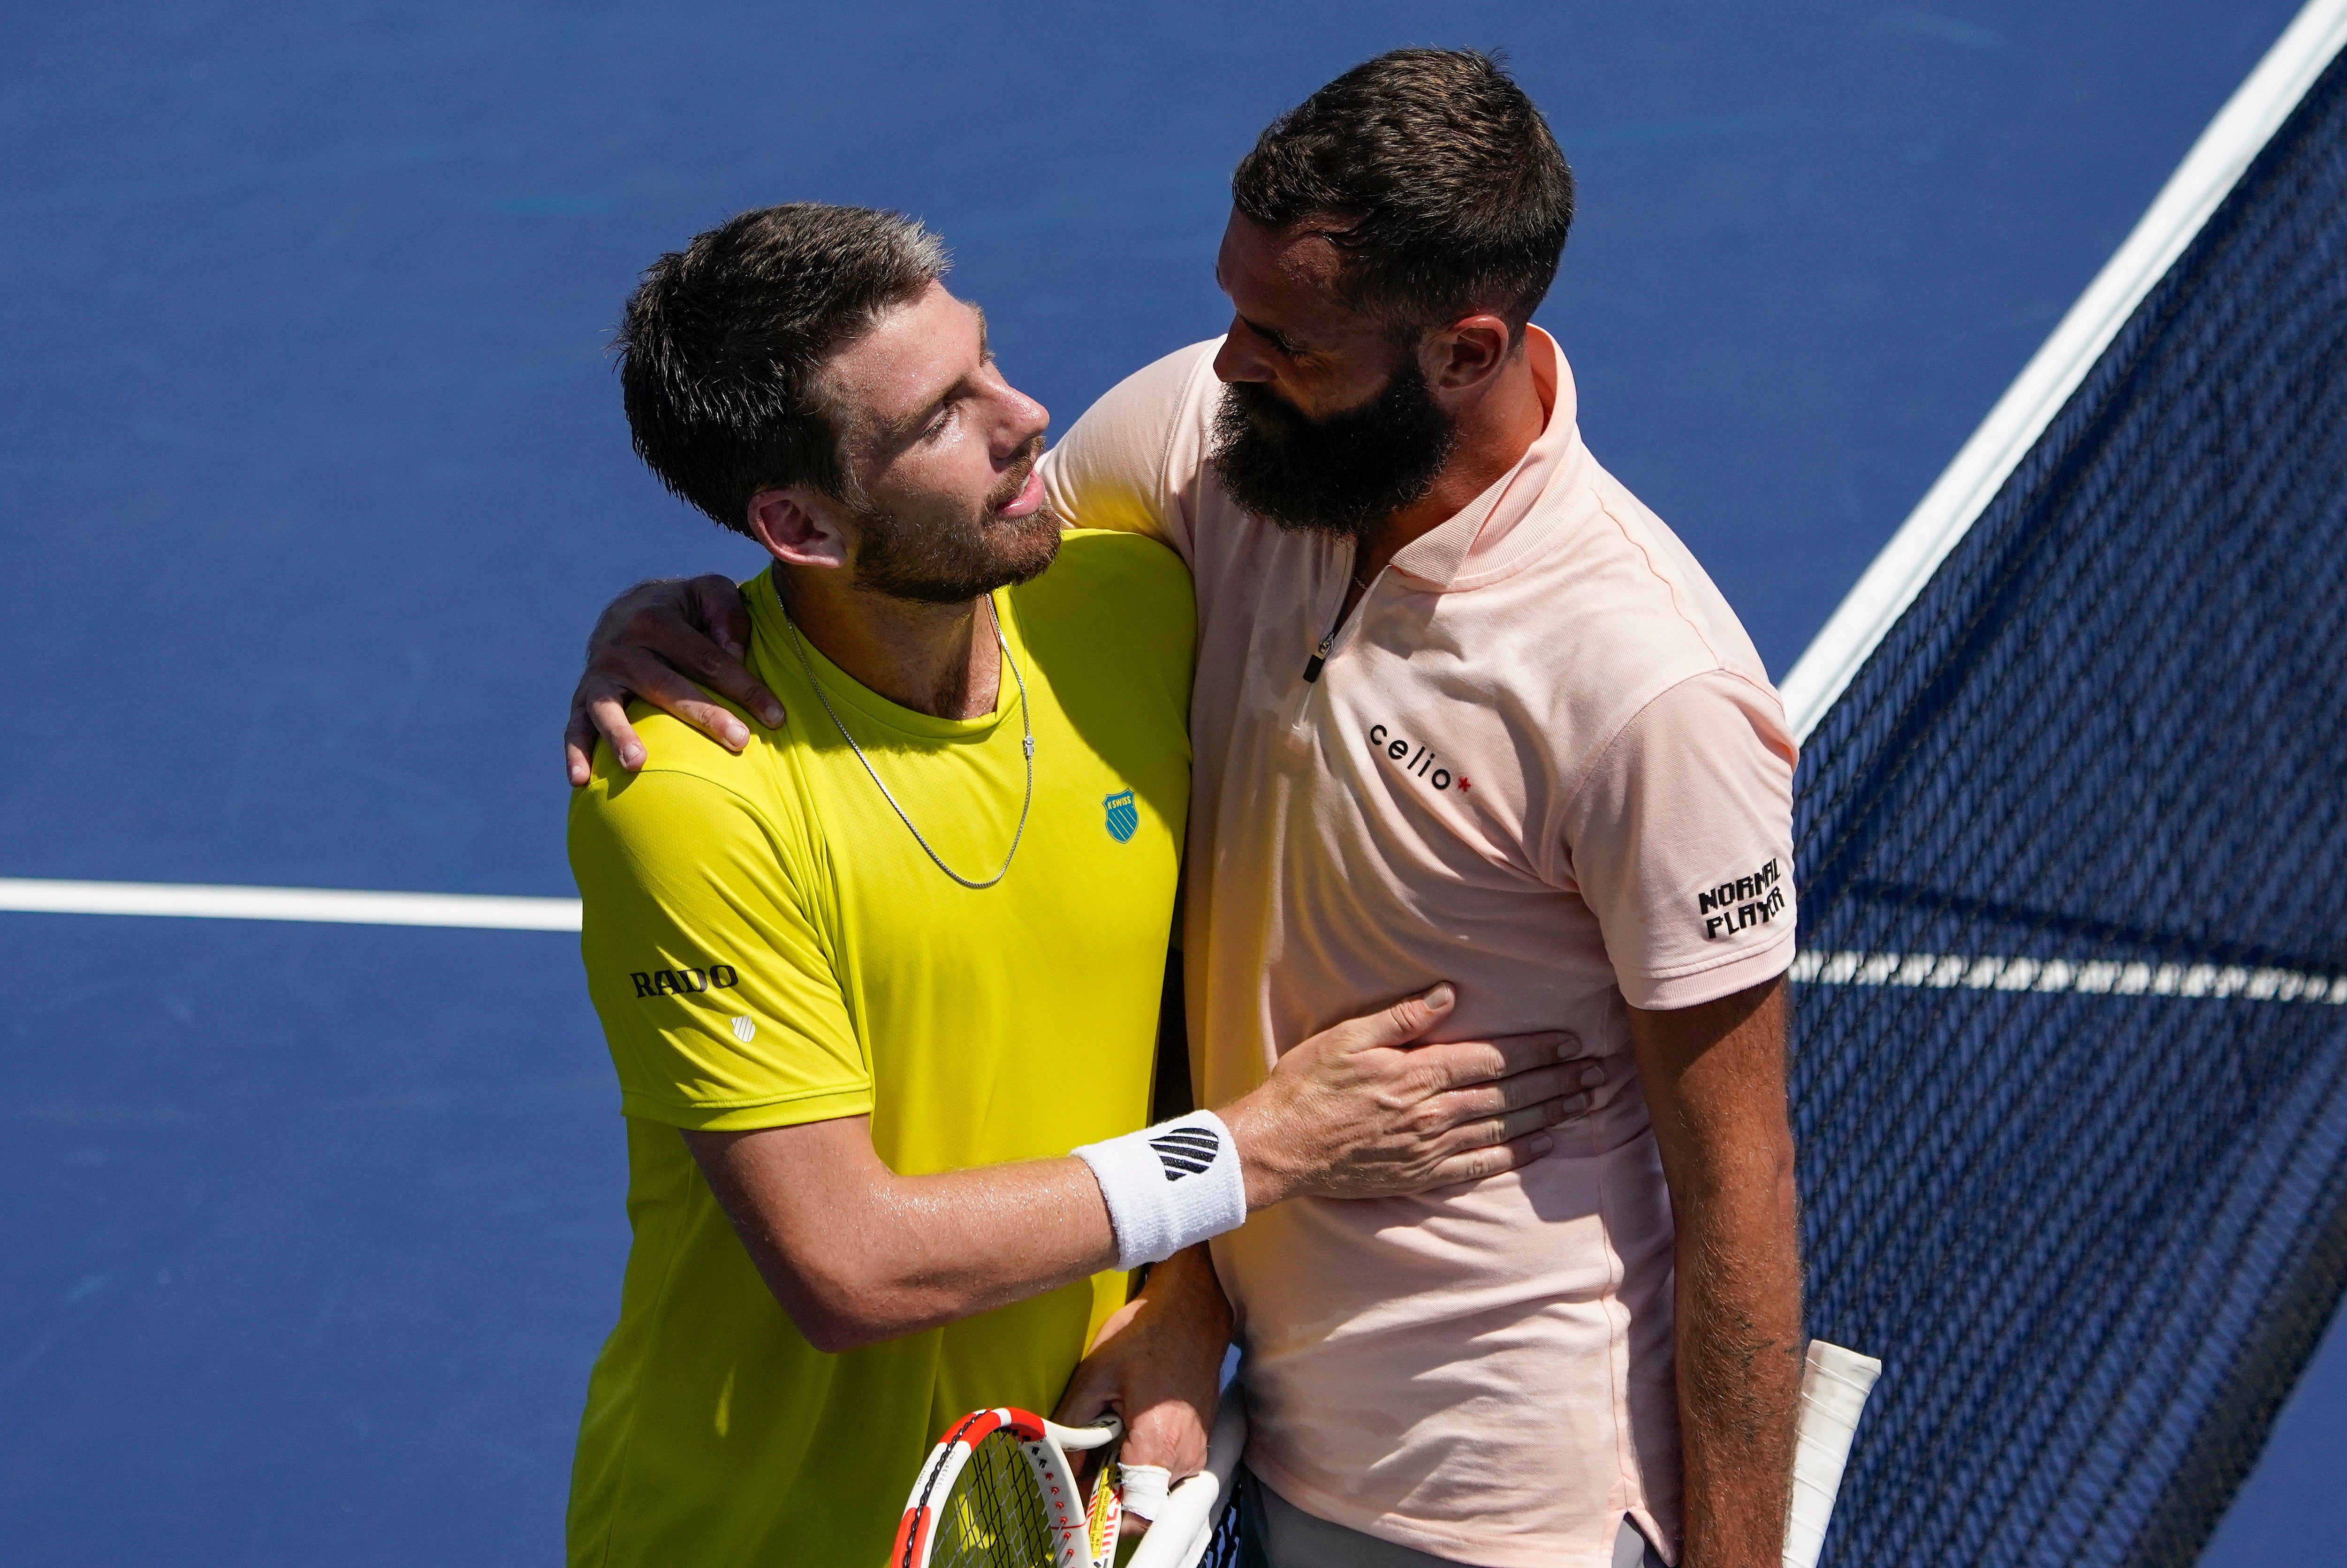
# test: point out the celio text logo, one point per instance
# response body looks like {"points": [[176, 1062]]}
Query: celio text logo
{"points": [[1753, 900], [684, 982], [1417, 761]]}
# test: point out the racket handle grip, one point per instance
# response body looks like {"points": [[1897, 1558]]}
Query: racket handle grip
{"points": [[1835, 1384], [1185, 1524]]}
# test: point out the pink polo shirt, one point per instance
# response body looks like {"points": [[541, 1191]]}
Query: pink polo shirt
{"points": [[1544, 763]]}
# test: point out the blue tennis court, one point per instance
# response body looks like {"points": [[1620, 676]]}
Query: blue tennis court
{"points": [[317, 475]]}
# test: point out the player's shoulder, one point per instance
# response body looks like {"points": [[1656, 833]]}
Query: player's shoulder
{"points": [[1641, 593], [1614, 624], [1107, 578], [688, 787], [1132, 418], [1112, 601], [1112, 558], [1171, 380]]}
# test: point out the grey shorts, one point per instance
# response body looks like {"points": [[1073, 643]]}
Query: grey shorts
{"points": [[1281, 1535]]}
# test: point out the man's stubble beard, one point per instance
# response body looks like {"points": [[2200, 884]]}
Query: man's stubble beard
{"points": [[957, 561], [1341, 476]]}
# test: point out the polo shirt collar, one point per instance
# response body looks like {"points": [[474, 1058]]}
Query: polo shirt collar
{"points": [[1505, 527]]}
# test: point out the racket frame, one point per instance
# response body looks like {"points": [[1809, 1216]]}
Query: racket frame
{"points": [[1083, 1529]]}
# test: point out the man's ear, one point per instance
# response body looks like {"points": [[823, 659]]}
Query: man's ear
{"points": [[799, 527], [1467, 355]]}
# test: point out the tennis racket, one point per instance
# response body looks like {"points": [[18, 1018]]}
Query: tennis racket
{"points": [[997, 1492], [1187, 1532]]}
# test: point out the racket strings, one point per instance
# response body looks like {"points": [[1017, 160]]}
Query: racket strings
{"points": [[995, 1515]]}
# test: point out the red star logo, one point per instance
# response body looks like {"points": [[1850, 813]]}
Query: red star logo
{"points": [[1466, 782]]}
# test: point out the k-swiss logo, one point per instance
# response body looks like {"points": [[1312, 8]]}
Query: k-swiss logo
{"points": [[1123, 817], [1186, 1151], [684, 982], [745, 1029], [1414, 760], [1753, 900]]}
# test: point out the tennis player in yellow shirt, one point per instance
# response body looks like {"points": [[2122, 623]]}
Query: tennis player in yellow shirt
{"points": [[871, 975]]}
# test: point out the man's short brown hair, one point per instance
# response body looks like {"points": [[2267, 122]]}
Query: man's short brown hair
{"points": [[1432, 174], [721, 340]]}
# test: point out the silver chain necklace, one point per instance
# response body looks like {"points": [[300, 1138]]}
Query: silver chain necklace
{"points": [[1025, 723]]}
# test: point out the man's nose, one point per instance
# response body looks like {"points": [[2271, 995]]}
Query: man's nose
{"points": [[1023, 419], [1238, 359]]}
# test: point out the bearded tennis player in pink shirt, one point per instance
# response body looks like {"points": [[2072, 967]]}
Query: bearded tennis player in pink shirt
{"points": [[1464, 710]]}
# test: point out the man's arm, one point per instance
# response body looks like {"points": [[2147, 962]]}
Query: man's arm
{"points": [[664, 642], [857, 1254], [1157, 1365], [1715, 1083]]}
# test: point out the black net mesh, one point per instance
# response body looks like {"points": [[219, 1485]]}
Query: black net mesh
{"points": [[2071, 1079]]}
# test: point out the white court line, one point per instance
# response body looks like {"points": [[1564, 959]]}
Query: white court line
{"points": [[2091, 976], [334, 905], [1948, 510]]}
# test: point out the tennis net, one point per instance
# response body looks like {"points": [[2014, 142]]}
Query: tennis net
{"points": [[2071, 1066]]}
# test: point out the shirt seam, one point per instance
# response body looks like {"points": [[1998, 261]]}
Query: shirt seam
{"points": [[782, 865], [1669, 585], [758, 813]]}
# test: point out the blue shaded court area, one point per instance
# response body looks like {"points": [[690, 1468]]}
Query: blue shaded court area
{"points": [[316, 475]]}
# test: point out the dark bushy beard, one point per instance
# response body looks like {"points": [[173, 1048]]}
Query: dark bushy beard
{"points": [[1342, 474], [954, 560]]}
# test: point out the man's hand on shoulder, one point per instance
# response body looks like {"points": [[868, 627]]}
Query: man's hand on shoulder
{"points": [[668, 641]]}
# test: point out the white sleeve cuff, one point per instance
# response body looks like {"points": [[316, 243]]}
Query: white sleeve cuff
{"points": [[1169, 1186]]}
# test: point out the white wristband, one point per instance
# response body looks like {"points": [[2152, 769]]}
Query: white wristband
{"points": [[1169, 1186]]}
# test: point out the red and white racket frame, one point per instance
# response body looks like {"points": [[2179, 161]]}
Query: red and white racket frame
{"points": [[1046, 1446]]}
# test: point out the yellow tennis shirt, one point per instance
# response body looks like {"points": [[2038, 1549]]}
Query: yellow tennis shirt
{"points": [[768, 944]]}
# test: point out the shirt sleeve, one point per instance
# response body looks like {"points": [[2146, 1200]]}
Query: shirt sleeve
{"points": [[1680, 839], [1114, 467], [715, 985]]}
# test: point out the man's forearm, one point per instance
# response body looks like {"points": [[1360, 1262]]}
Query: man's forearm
{"points": [[1715, 1079], [1184, 1290], [857, 1253], [1157, 1364], [1739, 1363]]}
